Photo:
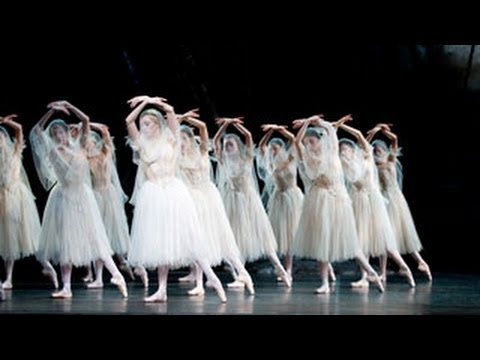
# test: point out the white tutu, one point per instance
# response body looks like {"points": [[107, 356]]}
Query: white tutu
{"points": [[373, 223], [406, 235], [165, 229], [219, 236], [73, 231], [114, 218], [285, 209], [326, 231], [19, 222], [250, 223]]}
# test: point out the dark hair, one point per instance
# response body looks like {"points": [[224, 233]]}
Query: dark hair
{"points": [[314, 132], [187, 130]]}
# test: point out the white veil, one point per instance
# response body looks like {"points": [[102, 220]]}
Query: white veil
{"points": [[99, 145], [266, 165], [146, 150], [236, 165], [388, 152]]}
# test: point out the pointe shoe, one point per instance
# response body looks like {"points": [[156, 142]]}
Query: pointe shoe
{"points": [[247, 281], [382, 278], [62, 294], [95, 285], [7, 285], [236, 285], [332, 276], [143, 275], [190, 278], [378, 284], [325, 289], [426, 270], [218, 289], [408, 274], [286, 279], [127, 270], [197, 291], [52, 275], [159, 296], [279, 279], [362, 283], [87, 279], [121, 284]]}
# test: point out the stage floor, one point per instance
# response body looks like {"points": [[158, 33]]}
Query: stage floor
{"points": [[448, 294]]}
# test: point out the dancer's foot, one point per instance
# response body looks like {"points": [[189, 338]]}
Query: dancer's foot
{"points": [[159, 296], [236, 285], [382, 277], [246, 279], [378, 283], [324, 289], [52, 274], [408, 274], [190, 278], [97, 284], [7, 285], [217, 286], [126, 270], [287, 280], [62, 294], [362, 283], [426, 270], [119, 281], [331, 275], [197, 291], [143, 275]]}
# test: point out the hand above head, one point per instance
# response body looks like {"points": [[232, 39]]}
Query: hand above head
{"points": [[61, 106], [133, 102], [296, 124], [8, 118], [191, 113]]}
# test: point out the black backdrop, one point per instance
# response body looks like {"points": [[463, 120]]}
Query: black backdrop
{"points": [[277, 81]]}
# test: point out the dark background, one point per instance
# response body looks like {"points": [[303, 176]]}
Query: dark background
{"points": [[435, 116]]}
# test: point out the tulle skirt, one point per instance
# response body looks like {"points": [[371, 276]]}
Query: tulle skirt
{"points": [[165, 229], [374, 229], [326, 231], [401, 218], [19, 223], [73, 230], [250, 224], [219, 239], [285, 209], [114, 218]]}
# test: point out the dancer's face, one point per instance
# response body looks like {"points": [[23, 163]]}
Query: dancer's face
{"points": [[379, 153], [149, 126], [186, 141], [74, 131], [312, 143], [346, 151], [59, 134], [275, 149], [231, 146]]}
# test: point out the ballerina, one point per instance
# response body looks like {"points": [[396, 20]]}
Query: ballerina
{"points": [[277, 163], [73, 233], [110, 198], [165, 231], [19, 219], [326, 231], [195, 169], [248, 219], [374, 229], [389, 169]]}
